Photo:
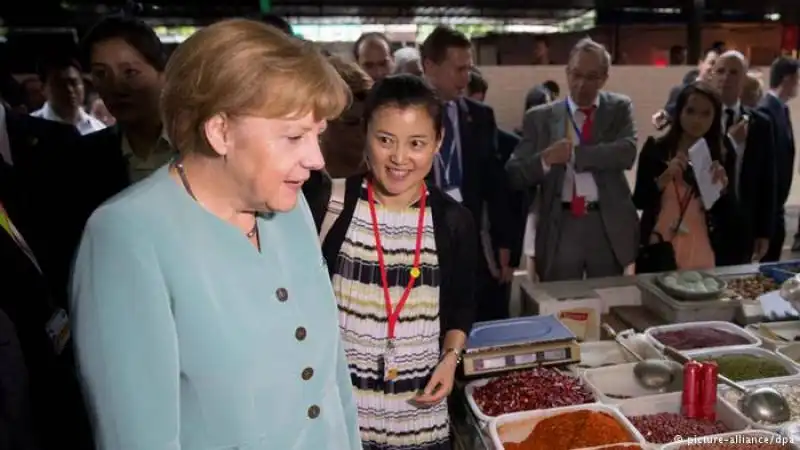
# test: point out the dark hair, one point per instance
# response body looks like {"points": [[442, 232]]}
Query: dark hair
{"points": [[541, 38], [717, 46], [477, 83], [56, 64], [368, 37], [404, 91], [11, 90], [277, 22], [536, 96], [134, 32], [676, 54], [441, 39], [780, 69], [553, 87], [713, 136]]}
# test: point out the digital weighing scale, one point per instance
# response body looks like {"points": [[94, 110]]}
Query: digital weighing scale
{"points": [[519, 343]]}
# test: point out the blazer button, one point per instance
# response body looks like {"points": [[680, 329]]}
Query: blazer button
{"points": [[282, 294], [308, 372], [313, 411], [300, 333]]}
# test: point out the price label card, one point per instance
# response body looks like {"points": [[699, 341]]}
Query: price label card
{"points": [[525, 359], [555, 355], [490, 363]]}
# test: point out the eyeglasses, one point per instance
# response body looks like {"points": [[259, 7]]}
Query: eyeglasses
{"points": [[589, 77]]}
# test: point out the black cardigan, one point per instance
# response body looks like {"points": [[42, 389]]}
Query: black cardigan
{"points": [[456, 247]]}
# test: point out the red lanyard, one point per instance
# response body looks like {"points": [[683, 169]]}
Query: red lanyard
{"points": [[393, 315], [683, 203]]}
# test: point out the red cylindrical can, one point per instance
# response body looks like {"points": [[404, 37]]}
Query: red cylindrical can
{"points": [[691, 405], [708, 390]]}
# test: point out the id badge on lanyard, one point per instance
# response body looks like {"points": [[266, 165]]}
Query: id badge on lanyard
{"points": [[445, 168], [391, 370], [57, 328]]}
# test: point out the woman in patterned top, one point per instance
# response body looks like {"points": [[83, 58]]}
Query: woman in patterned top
{"points": [[402, 259]]}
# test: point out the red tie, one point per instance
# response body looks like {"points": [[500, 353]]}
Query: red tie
{"points": [[578, 204]]}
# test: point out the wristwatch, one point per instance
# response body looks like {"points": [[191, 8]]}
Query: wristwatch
{"points": [[457, 351]]}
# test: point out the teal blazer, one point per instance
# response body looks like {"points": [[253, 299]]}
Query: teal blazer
{"points": [[189, 338]]}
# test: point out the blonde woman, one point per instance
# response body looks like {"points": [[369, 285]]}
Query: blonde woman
{"points": [[204, 317]]}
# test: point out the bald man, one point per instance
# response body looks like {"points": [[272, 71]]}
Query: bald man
{"points": [[373, 52], [750, 163]]}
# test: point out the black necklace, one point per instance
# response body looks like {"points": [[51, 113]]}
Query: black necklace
{"points": [[185, 181]]}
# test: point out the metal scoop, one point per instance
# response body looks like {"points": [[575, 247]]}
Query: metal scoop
{"points": [[762, 404], [653, 374]]}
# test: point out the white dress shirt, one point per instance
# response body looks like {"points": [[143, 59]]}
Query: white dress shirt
{"points": [[584, 182], [442, 167], [737, 147], [86, 123], [140, 168]]}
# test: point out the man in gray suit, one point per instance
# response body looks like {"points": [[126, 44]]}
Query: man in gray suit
{"points": [[577, 152]]}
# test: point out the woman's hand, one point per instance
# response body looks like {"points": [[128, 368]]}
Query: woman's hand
{"points": [[677, 165], [718, 174], [674, 170], [441, 382]]}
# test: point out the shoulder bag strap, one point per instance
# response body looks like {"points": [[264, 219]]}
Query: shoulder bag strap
{"points": [[684, 205], [335, 207]]}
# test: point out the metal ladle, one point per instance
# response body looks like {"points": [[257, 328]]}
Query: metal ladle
{"points": [[653, 374], [762, 404]]}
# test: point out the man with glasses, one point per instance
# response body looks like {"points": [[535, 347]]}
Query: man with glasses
{"points": [[577, 152]]}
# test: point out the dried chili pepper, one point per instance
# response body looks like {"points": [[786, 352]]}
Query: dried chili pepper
{"points": [[577, 429]]}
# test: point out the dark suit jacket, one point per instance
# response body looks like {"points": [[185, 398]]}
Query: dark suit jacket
{"points": [[756, 201], [44, 155], [16, 429], [672, 100], [518, 201], [483, 181], [778, 113], [105, 167], [59, 415]]}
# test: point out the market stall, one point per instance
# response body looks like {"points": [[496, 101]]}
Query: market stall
{"points": [[596, 400]]}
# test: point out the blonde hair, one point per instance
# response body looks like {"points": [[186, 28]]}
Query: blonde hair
{"points": [[243, 67], [356, 79]]}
